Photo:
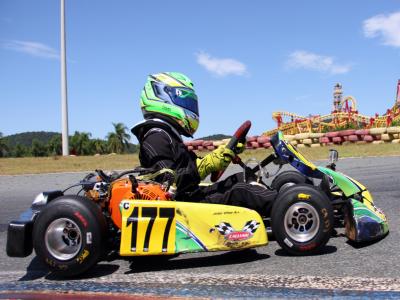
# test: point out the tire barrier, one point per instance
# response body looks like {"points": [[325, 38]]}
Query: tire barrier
{"points": [[377, 136]]}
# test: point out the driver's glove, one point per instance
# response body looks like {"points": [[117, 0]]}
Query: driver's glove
{"points": [[240, 147], [215, 161]]}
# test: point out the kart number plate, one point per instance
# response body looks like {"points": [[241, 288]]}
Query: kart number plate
{"points": [[147, 230]]}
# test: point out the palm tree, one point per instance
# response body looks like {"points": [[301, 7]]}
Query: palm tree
{"points": [[99, 146], [118, 140], [114, 144], [80, 143]]}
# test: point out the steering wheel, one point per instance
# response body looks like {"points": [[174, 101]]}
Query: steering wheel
{"points": [[238, 137]]}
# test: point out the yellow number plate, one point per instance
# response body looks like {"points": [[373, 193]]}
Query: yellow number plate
{"points": [[148, 228]]}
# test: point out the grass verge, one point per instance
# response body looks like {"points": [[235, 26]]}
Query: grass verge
{"points": [[33, 165]]}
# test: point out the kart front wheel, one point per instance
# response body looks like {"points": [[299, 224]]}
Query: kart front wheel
{"points": [[69, 234], [302, 220]]}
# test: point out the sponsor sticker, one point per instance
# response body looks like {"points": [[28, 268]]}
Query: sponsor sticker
{"points": [[81, 218], [238, 236], [83, 256], [229, 233], [88, 238], [287, 242], [308, 247], [302, 196]]}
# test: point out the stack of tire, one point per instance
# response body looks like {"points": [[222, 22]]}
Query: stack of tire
{"points": [[380, 135], [308, 139], [255, 142], [343, 137], [394, 134], [350, 136], [252, 142]]}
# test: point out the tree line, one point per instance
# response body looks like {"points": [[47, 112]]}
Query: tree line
{"points": [[80, 143]]}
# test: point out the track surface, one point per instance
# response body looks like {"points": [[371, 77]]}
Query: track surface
{"points": [[342, 268]]}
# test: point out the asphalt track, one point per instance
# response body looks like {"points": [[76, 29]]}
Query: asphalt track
{"points": [[342, 270]]}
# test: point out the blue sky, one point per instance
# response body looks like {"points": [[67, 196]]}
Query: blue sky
{"points": [[246, 58]]}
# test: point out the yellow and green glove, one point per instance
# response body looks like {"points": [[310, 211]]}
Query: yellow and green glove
{"points": [[217, 160], [240, 148]]}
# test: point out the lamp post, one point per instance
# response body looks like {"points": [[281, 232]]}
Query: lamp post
{"points": [[64, 101]]}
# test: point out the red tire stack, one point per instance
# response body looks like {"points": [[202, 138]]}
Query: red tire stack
{"points": [[252, 142], [345, 134], [263, 141]]}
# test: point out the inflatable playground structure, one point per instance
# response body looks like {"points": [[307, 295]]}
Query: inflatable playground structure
{"points": [[342, 126]]}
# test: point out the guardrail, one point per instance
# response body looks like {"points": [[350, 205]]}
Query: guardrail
{"points": [[380, 135]]}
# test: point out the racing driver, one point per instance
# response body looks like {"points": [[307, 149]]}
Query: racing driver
{"points": [[170, 109]]}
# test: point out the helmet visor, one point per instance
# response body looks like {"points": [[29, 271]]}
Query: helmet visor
{"points": [[183, 97]]}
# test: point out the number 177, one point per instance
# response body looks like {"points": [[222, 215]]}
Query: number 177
{"points": [[140, 213]]}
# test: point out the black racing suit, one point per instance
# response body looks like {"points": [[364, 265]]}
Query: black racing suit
{"points": [[161, 146]]}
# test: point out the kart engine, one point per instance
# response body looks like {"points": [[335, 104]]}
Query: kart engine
{"points": [[130, 189], [110, 195]]}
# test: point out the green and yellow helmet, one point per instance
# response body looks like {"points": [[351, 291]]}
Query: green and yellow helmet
{"points": [[171, 96]]}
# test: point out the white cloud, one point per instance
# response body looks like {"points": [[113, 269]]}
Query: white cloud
{"points": [[31, 48], [221, 66], [310, 61], [385, 26]]}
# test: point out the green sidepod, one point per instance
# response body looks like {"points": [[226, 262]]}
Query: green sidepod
{"points": [[346, 184]]}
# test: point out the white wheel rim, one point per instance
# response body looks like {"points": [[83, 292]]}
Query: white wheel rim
{"points": [[63, 239], [301, 222]]}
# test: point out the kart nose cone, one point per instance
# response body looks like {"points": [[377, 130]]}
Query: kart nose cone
{"points": [[365, 222]]}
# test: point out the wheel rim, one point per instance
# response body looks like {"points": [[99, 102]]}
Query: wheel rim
{"points": [[63, 239], [301, 222]]}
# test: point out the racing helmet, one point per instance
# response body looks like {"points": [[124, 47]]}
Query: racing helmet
{"points": [[170, 96]]}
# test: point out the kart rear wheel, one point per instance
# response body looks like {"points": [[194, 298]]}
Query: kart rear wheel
{"points": [[69, 234], [287, 179], [302, 220]]}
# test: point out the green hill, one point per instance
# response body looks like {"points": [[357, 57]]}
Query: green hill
{"points": [[215, 137], [26, 138]]}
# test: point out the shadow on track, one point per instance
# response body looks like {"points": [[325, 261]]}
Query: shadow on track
{"points": [[325, 250], [365, 244], [36, 270], [98, 270], [147, 264]]}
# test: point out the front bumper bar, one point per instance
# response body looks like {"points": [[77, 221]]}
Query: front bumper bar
{"points": [[19, 235]]}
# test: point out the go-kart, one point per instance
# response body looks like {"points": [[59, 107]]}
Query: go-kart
{"points": [[133, 214]]}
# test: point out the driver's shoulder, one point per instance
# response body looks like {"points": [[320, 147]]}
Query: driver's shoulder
{"points": [[158, 134]]}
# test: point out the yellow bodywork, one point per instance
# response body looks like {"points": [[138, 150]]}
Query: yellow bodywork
{"points": [[369, 201], [168, 227]]}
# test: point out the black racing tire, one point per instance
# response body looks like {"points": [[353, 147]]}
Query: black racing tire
{"points": [[287, 179], [69, 235], [302, 220]]}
